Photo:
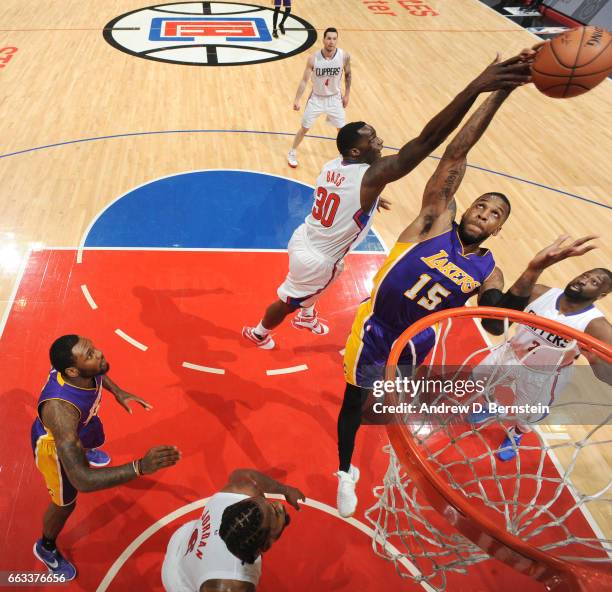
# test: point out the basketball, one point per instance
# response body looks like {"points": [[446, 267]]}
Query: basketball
{"points": [[573, 63]]}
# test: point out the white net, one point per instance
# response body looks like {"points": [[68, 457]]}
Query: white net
{"points": [[550, 488]]}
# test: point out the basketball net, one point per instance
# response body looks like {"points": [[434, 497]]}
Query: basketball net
{"points": [[448, 502]]}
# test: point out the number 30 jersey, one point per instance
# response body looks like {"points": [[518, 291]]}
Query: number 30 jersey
{"points": [[420, 278], [337, 223]]}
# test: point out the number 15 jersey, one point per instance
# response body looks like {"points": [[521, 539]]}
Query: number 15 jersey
{"points": [[337, 223], [416, 280]]}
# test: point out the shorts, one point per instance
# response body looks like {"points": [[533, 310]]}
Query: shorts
{"points": [[319, 105], [369, 345], [171, 574], [309, 274], [530, 386], [286, 3], [62, 492]]}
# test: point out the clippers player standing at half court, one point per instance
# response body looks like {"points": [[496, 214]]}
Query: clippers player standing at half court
{"points": [[346, 195], [542, 362], [325, 69]]}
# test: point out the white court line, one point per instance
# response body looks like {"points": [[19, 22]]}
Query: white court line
{"points": [[203, 368], [556, 435], [201, 250], [82, 247], [168, 518], [290, 370], [11, 299], [88, 297], [131, 340]]}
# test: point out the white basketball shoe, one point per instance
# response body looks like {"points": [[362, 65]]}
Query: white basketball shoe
{"points": [[265, 342], [346, 500], [292, 160], [312, 323]]}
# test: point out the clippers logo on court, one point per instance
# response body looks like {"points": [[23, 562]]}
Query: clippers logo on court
{"points": [[207, 34]]}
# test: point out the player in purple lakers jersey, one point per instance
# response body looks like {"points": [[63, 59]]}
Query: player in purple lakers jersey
{"points": [[436, 264], [277, 7], [67, 429]]}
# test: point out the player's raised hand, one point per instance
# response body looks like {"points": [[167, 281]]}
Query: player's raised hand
{"points": [[529, 53], [508, 74], [123, 397], [558, 251], [159, 457], [292, 495]]}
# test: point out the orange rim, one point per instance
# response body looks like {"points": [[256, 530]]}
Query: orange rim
{"points": [[556, 573]]}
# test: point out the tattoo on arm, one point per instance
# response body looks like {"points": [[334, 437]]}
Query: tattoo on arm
{"points": [[74, 461], [450, 184], [62, 419]]}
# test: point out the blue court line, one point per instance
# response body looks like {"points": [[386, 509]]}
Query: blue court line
{"points": [[221, 131]]}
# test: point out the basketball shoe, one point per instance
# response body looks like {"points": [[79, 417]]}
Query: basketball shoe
{"points": [[346, 500], [262, 342], [506, 451], [97, 457], [292, 158], [301, 321], [55, 561]]}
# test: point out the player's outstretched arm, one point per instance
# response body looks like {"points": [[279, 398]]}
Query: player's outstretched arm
{"points": [[524, 289], [348, 79], [302, 86], [252, 482], [122, 397], [438, 206], [601, 329], [226, 586], [499, 75], [62, 419]]}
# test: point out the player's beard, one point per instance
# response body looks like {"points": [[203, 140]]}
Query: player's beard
{"points": [[574, 296], [470, 239]]}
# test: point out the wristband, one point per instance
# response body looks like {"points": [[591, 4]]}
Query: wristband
{"points": [[137, 467]]}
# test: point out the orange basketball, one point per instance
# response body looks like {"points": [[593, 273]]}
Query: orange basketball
{"points": [[573, 62]]}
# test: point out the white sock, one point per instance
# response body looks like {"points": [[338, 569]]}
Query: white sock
{"points": [[261, 330], [307, 311]]}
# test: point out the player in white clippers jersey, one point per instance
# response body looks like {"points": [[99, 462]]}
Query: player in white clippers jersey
{"points": [[222, 549], [325, 69], [541, 361], [346, 195]]}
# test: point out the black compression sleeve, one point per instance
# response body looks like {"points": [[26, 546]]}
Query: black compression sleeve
{"points": [[490, 297], [494, 297], [510, 300]]}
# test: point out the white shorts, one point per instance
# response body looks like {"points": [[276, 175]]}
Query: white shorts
{"points": [[530, 386], [309, 274], [319, 105], [172, 576]]}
